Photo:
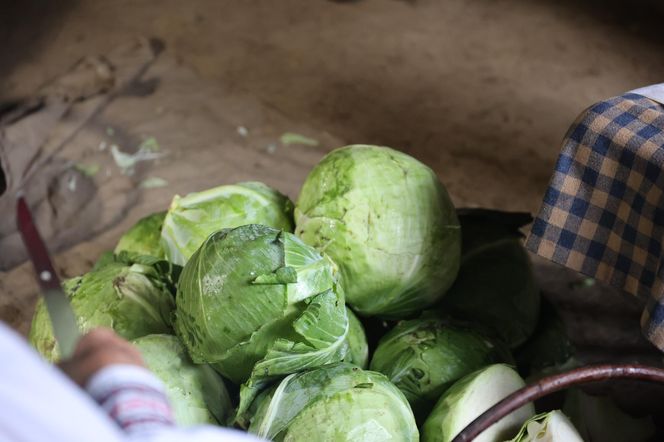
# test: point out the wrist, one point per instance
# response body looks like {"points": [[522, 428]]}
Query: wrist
{"points": [[120, 374], [132, 396]]}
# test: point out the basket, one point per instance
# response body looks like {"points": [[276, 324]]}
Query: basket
{"points": [[552, 384]]}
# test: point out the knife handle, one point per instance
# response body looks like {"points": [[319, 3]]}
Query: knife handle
{"points": [[35, 245]]}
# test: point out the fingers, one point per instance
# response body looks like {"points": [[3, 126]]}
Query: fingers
{"points": [[98, 349], [93, 339]]}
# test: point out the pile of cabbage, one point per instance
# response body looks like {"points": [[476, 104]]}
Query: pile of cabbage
{"points": [[369, 310]]}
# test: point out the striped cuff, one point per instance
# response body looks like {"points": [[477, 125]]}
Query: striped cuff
{"points": [[133, 397]]}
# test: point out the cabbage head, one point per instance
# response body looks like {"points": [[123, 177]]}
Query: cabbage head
{"points": [[338, 402], [424, 357], [553, 426], [599, 418], [191, 219], [196, 392], [144, 237], [496, 285], [471, 396], [358, 348], [133, 299], [388, 222], [257, 303], [548, 349]]}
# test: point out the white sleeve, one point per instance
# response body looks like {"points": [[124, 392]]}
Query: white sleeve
{"points": [[198, 434], [135, 399], [39, 403]]}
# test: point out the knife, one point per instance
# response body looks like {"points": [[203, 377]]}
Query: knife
{"points": [[62, 316]]}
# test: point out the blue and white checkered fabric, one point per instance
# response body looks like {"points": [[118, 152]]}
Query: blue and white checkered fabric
{"points": [[603, 213]]}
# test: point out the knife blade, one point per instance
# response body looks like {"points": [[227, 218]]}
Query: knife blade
{"points": [[65, 330]]}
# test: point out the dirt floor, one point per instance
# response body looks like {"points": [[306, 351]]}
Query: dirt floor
{"points": [[482, 91]]}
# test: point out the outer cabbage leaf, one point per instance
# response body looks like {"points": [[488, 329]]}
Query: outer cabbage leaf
{"points": [[132, 299], [144, 237], [358, 348], [241, 312], [321, 331], [192, 218]]}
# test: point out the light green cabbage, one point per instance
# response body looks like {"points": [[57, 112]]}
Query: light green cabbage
{"points": [[133, 299], [389, 224], [338, 403], [257, 303], [471, 396], [424, 357], [553, 426], [196, 392], [496, 285], [144, 237], [358, 349], [598, 418], [191, 219]]}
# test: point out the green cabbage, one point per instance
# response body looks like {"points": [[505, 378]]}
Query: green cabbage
{"points": [[598, 418], [106, 258], [337, 402], [496, 285], [134, 299], [358, 349], [191, 219], [471, 396], [144, 237], [196, 392], [389, 224], [553, 426], [257, 303], [548, 349], [424, 357]]}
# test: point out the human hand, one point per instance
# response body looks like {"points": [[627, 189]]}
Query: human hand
{"points": [[99, 348]]}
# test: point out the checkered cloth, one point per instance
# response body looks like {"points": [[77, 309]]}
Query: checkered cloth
{"points": [[603, 213]]}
